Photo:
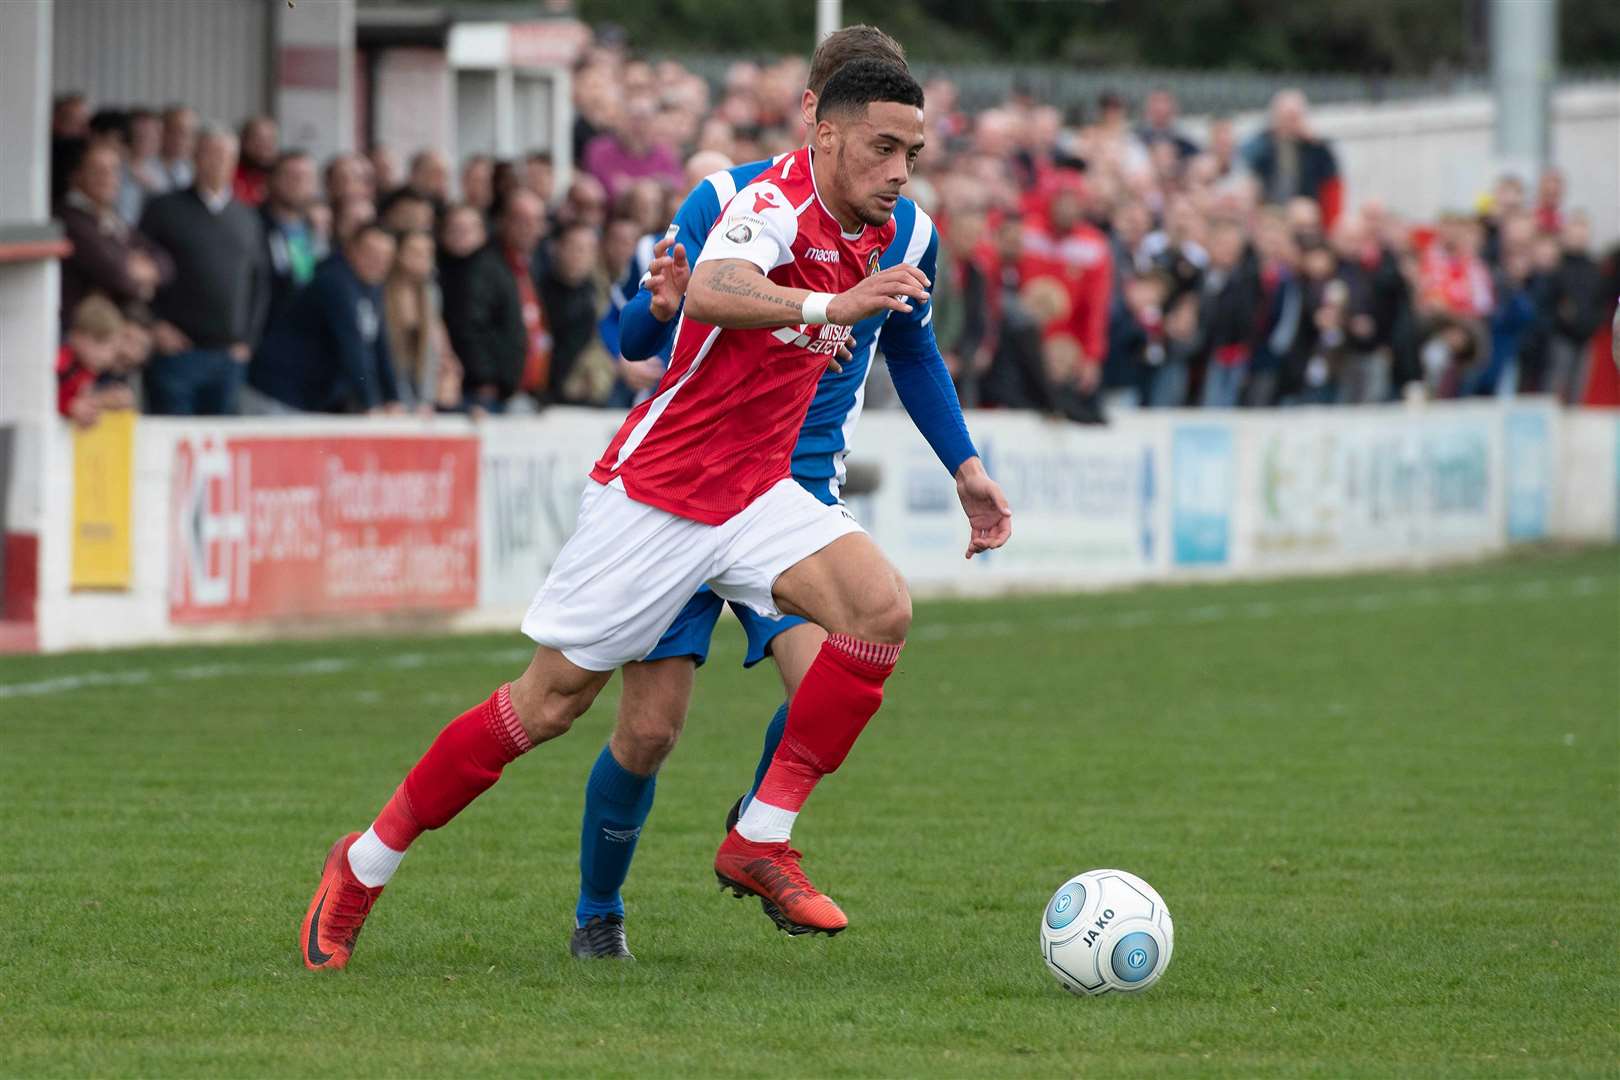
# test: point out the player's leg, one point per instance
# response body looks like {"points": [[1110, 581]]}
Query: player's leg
{"points": [[621, 578], [792, 644], [619, 795], [849, 588], [463, 762], [797, 556]]}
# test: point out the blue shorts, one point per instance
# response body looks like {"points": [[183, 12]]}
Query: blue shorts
{"points": [[689, 634]]}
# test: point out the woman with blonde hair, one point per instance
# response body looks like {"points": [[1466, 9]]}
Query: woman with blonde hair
{"points": [[429, 376]]}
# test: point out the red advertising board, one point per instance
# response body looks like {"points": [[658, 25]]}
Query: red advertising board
{"points": [[284, 528]]}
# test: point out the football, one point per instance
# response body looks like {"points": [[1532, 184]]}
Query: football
{"points": [[1106, 930]]}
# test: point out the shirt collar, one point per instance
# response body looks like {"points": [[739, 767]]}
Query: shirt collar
{"points": [[217, 202], [107, 219]]}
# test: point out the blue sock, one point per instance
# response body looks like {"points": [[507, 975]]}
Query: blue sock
{"points": [[773, 736], [617, 803]]}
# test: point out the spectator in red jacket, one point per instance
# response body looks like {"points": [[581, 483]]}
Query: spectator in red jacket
{"points": [[1064, 246], [1550, 200], [260, 141], [90, 351]]}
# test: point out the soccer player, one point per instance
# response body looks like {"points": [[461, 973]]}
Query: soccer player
{"points": [[652, 707], [695, 489]]}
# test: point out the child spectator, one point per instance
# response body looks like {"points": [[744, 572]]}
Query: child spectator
{"points": [[87, 358]]}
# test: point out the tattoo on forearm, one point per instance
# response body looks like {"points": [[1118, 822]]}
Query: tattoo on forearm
{"points": [[733, 281]]}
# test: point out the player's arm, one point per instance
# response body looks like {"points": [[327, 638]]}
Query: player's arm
{"points": [[921, 378], [924, 386], [647, 322], [736, 294], [730, 287]]}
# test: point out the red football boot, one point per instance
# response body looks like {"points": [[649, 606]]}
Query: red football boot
{"points": [[337, 912], [772, 873]]}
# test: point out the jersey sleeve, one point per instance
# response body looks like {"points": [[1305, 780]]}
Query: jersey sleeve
{"points": [[758, 226], [920, 377], [636, 272]]}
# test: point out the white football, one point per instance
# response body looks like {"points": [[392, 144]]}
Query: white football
{"points": [[1106, 930]]}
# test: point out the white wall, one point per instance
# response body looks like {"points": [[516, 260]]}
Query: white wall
{"points": [[25, 107], [29, 298], [28, 290], [410, 100], [1428, 155], [314, 75], [1589, 483], [1159, 496]]}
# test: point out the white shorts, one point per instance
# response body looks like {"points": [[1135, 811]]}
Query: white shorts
{"points": [[629, 568]]}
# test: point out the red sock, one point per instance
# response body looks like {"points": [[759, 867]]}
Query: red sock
{"points": [[463, 762], [839, 694]]}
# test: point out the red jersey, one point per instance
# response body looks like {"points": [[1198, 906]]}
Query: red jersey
{"points": [[1458, 283], [1082, 262], [721, 429], [72, 379]]}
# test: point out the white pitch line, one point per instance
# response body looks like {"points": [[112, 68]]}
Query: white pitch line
{"points": [[69, 683], [1133, 618]]}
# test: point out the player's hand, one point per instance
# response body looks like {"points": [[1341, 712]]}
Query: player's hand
{"points": [[836, 362], [985, 506], [667, 276], [640, 375], [898, 288]]}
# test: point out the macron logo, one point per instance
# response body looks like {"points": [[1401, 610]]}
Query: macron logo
{"points": [[764, 200], [621, 836], [822, 255]]}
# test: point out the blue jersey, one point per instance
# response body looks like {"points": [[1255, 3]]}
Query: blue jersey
{"points": [[607, 327], [908, 339]]}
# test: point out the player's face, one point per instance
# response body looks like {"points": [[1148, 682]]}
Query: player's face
{"points": [[875, 155]]}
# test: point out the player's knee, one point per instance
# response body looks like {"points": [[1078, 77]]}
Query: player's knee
{"points": [[547, 715], [642, 745], [552, 693], [886, 617]]}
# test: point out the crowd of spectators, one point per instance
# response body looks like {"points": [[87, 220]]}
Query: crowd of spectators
{"points": [[1087, 262]]}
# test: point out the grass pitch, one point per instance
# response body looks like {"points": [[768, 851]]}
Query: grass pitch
{"points": [[1382, 810]]}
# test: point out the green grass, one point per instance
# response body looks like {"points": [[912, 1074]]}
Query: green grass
{"points": [[1383, 811]]}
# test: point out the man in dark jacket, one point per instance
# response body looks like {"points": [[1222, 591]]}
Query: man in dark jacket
{"points": [[1159, 125], [572, 301], [1226, 317], [1575, 310], [292, 245], [1290, 163], [482, 311], [963, 308], [329, 353], [213, 310], [108, 256]]}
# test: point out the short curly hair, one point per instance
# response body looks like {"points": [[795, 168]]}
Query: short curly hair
{"points": [[861, 82]]}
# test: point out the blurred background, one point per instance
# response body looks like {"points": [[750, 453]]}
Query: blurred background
{"points": [[436, 210]]}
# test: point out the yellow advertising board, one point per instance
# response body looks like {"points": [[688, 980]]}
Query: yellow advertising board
{"points": [[103, 464]]}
